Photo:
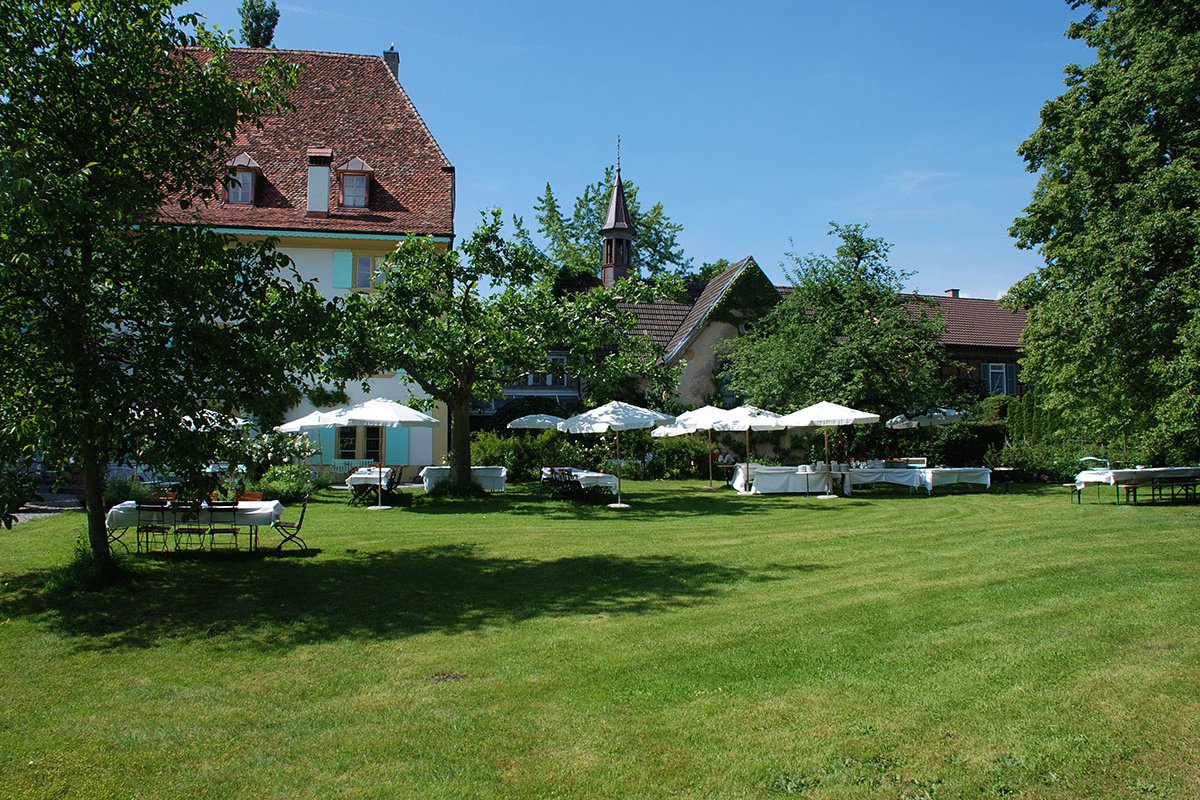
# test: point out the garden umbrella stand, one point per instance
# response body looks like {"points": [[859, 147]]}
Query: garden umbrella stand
{"points": [[615, 416], [826, 415]]}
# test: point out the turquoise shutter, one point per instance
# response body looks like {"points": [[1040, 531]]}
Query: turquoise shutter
{"points": [[343, 269], [326, 439], [395, 444], [1010, 379]]}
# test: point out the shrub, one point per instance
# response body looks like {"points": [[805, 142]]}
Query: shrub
{"points": [[679, 457], [287, 483], [118, 490], [16, 487]]}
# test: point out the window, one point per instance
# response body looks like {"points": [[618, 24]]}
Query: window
{"points": [[556, 377], [354, 190], [241, 188], [366, 272], [999, 378], [372, 437], [347, 443]]}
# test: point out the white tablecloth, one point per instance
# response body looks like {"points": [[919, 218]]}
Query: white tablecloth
{"points": [[256, 513], [781, 480], [493, 479], [584, 477], [1127, 477], [369, 476], [942, 476], [902, 476]]}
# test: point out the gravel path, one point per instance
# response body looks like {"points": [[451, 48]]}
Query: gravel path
{"points": [[51, 503]]}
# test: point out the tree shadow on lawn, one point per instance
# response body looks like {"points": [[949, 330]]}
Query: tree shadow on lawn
{"points": [[283, 603]]}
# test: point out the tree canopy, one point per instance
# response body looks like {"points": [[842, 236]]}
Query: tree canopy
{"points": [[845, 333], [573, 242], [116, 328], [463, 323], [259, 19], [1113, 339]]}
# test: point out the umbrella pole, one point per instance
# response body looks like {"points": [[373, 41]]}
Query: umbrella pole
{"points": [[619, 503], [828, 470], [710, 458]]}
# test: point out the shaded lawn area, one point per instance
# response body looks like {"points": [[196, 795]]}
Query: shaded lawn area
{"points": [[696, 645]]}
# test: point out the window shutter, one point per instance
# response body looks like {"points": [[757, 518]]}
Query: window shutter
{"points": [[343, 269], [985, 376], [395, 443], [1010, 379]]}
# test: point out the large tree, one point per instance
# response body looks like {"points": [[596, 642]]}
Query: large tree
{"points": [[462, 323], [115, 328], [1113, 339], [846, 333], [573, 242]]}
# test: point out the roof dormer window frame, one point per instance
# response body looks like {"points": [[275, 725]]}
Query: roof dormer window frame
{"points": [[241, 188], [354, 184]]}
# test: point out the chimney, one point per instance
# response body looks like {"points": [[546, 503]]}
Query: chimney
{"points": [[951, 293], [392, 59], [319, 159]]}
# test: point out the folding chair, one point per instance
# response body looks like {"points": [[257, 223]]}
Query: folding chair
{"points": [[290, 531], [187, 522], [224, 509], [152, 523]]}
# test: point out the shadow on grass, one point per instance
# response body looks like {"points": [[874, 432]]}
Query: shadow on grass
{"points": [[282, 603]]}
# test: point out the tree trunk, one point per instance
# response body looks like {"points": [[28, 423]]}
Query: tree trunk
{"points": [[460, 442], [93, 492]]}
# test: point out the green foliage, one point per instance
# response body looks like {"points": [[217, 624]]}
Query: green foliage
{"points": [[255, 455], [641, 455], [678, 457], [83, 574], [573, 243], [116, 327], [1113, 339], [463, 323], [845, 334], [17, 486], [259, 19], [287, 483], [118, 490]]}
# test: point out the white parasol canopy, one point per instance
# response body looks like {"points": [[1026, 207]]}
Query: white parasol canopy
{"points": [[925, 419], [824, 414], [535, 422], [615, 416]]}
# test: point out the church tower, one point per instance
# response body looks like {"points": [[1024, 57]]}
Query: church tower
{"points": [[617, 235]]}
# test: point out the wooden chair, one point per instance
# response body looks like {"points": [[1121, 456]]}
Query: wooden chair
{"points": [[222, 508], [290, 531]]}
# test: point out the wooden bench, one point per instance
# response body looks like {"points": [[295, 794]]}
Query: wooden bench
{"points": [[1170, 490]]}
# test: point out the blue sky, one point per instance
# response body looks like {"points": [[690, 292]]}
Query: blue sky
{"points": [[755, 124]]}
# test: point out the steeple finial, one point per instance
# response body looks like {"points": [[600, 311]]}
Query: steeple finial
{"points": [[618, 153]]}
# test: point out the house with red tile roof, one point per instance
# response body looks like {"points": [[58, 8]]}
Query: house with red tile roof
{"points": [[340, 180]]}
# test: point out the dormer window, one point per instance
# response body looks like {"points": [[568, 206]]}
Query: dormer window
{"points": [[242, 181], [355, 177]]}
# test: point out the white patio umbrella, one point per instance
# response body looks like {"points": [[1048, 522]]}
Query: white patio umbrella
{"points": [[536, 422], [615, 416], [701, 419], [926, 418], [376, 412], [747, 418], [826, 415]]}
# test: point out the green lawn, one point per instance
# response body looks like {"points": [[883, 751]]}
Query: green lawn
{"points": [[697, 645]]}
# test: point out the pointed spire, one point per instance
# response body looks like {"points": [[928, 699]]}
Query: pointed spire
{"points": [[618, 213]]}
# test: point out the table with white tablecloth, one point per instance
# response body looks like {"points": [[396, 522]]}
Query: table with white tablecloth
{"points": [[1134, 477], [369, 476], [584, 477], [782, 480], [944, 476], [493, 479], [901, 476], [251, 514]]}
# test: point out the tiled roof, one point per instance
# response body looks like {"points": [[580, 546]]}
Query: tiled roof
{"points": [[704, 305], [353, 105], [970, 321], [660, 319]]}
